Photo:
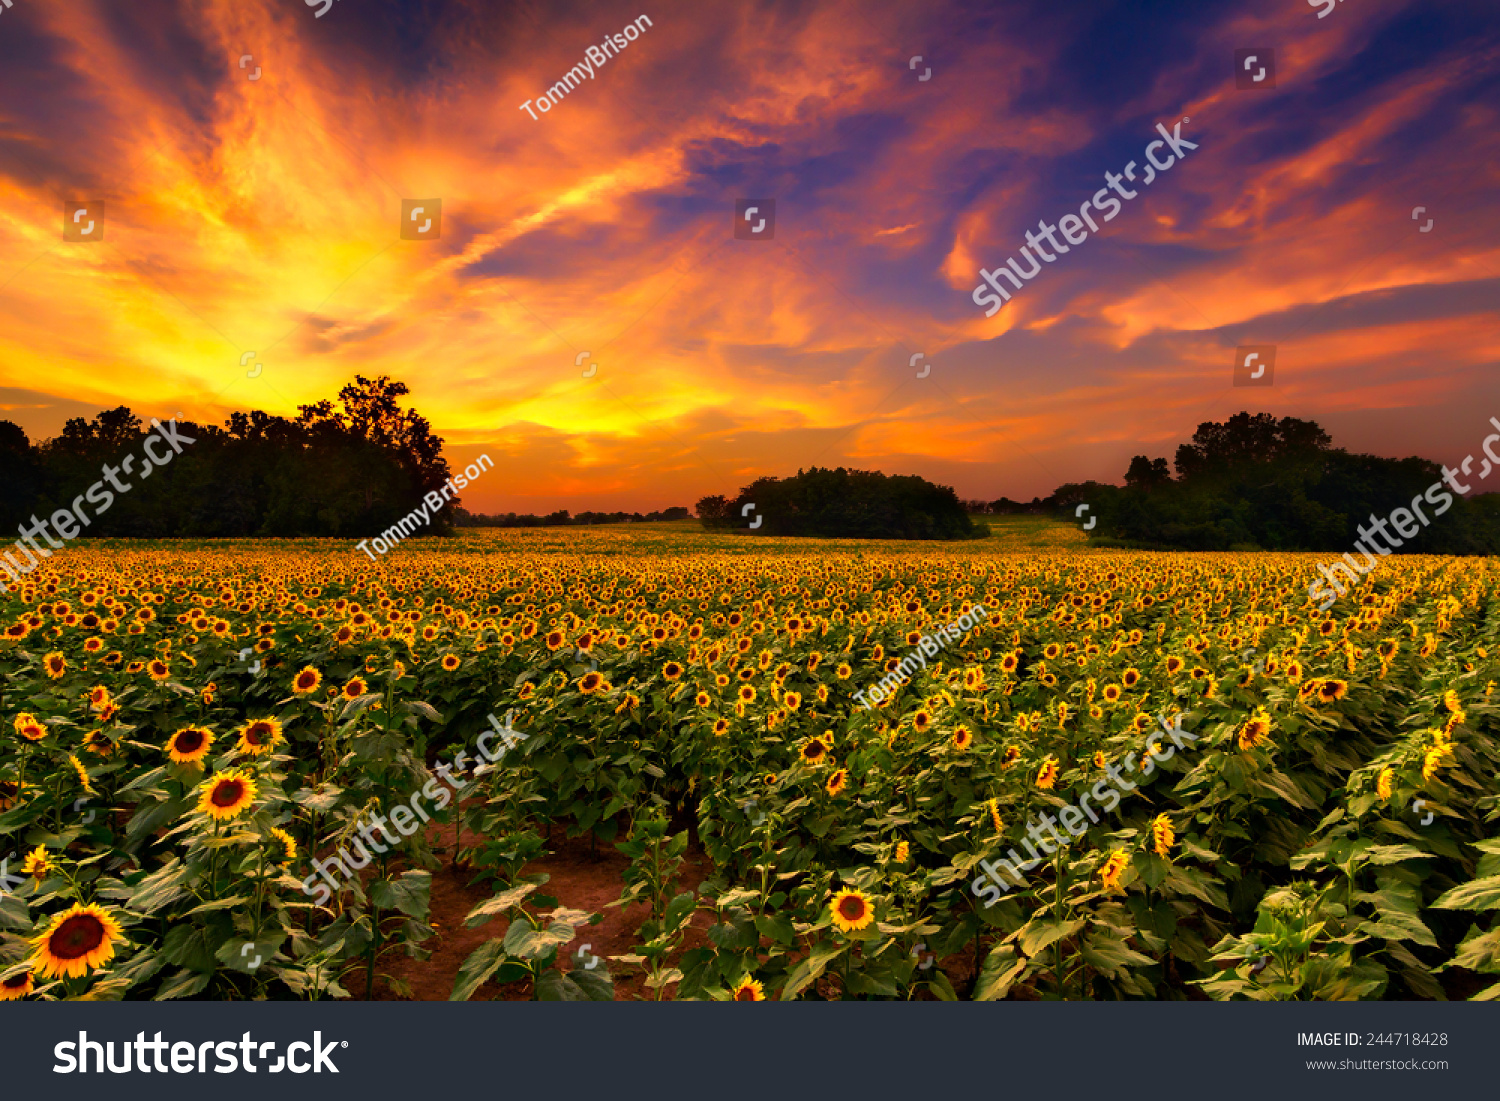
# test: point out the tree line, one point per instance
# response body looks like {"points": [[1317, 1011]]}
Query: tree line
{"points": [[462, 518], [349, 469], [856, 504], [1255, 482]]}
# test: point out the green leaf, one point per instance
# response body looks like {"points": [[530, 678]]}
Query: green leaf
{"points": [[777, 927], [1393, 854], [809, 969], [410, 894], [483, 962], [1038, 934], [160, 888], [1480, 894], [505, 900], [1002, 967], [554, 986], [526, 943], [319, 801], [184, 984], [250, 956], [218, 904], [679, 909], [596, 984]]}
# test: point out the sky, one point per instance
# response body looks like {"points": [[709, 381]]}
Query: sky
{"points": [[584, 312]]}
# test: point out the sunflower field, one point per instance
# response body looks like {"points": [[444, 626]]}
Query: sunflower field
{"points": [[185, 731]]}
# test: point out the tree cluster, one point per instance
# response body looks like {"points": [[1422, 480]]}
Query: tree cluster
{"points": [[349, 469], [561, 518], [1255, 482], [857, 504]]}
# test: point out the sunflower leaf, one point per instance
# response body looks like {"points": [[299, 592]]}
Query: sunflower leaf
{"points": [[483, 962]]}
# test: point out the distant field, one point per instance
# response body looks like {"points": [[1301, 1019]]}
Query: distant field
{"points": [[192, 731]]}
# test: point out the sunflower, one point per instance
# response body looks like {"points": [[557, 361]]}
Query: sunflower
{"points": [[37, 864], [837, 781], [1162, 834], [258, 736], [189, 745], [1008, 663], [993, 806], [921, 721], [851, 910], [158, 669], [1432, 759], [1012, 755], [1099, 758], [306, 682], [55, 664], [1046, 776], [1112, 870], [747, 693], [1255, 730], [355, 688], [99, 697], [721, 726], [16, 987], [227, 794], [813, 751], [748, 990], [1383, 782], [671, 670], [27, 727], [1174, 665], [75, 940], [903, 851], [590, 683], [1130, 677], [843, 671], [1330, 690], [10, 794], [962, 739], [288, 843], [792, 700], [703, 699], [450, 662], [83, 773]]}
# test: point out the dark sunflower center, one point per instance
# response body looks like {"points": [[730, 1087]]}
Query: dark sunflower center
{"points": [[746, 994], [258, 733], [227, 793], [852, 909], [15, 982], [189, 741], [76, 937], [305, 681]]}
